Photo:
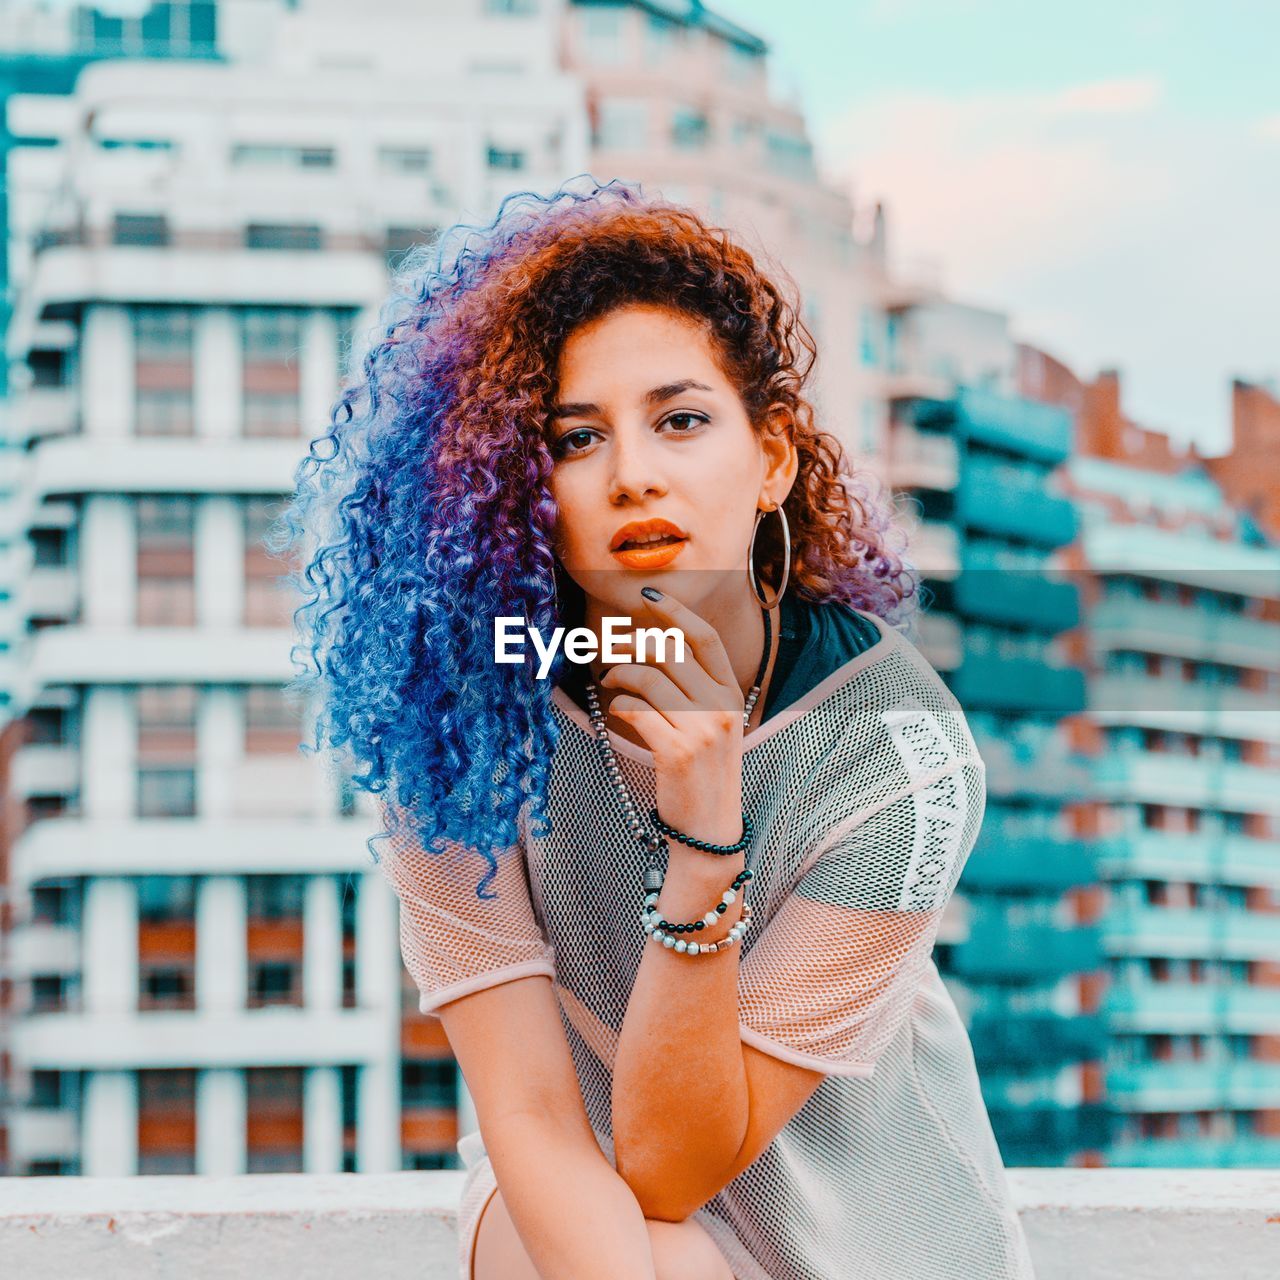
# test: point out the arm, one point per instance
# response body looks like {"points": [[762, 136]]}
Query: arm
{"points": [[692, 1105], [486, 969], [533, 1121]]}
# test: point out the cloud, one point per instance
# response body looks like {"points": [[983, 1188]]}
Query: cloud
{"points": [[1108, 97], [1268, 128], [1115, 231]]}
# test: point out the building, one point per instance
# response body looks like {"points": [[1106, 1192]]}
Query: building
{"points": [[205, 963], [1182, 646], [679, 99], [981, 458]]}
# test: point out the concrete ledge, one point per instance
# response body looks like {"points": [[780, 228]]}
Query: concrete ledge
{"points": [[1104, 1224]]}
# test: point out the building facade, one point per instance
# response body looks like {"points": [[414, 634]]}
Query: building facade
{"points": [[205, 964], [1182, 647]]}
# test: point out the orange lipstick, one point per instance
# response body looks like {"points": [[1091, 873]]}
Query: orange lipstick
{"points": [[647, 544]]}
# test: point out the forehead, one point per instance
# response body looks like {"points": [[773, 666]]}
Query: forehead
{"points": [[633, 348]]}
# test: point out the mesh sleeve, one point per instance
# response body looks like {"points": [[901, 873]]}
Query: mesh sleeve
{"points": [[453, 942], [834, 973]]}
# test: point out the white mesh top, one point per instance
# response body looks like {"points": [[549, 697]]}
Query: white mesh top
{"points": [[866, 794]]}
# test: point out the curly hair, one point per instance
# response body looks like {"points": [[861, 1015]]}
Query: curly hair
{"points": [[425, 511]]}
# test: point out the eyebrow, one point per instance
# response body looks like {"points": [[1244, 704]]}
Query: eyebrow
{"points": [[655, 396]]}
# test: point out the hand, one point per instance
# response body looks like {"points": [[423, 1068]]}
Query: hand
{"points": [[690, 716]]}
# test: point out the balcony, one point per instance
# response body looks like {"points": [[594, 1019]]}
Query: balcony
{"points": [[1202, 858], [1148, 626], [51, 592], [56, 847], [1018, 771], [1139, 550], [1004, 858], [922, 459], [1162, 702], [1194, 1086], [1106, 1224], [1197, 1153], [43, 947], [1002, 498], [143, 464], [45, 769], [933, 549], [43, 1133], [1019, 685], [268, 1037], [1016, 597], [131, 655], [997, 950], [1192, 1008], [1048, 1133], [1023, 427], [1192, 933], [45, 411], [939, 638], [1151, 777], [1035, 1041]]}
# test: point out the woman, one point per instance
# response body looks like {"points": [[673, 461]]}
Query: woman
{"points": [[692, 993]]}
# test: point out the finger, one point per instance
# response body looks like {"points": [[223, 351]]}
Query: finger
{"points": [[659, 734], [700, 637], [692, 687], [652, 683]]}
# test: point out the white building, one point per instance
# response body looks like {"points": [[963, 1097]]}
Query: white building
{"points": [[205, 962]]}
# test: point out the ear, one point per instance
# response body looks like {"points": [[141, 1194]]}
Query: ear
{"points": [[782, 461]]}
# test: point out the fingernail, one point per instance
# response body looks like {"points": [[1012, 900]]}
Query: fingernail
{"points": [[651, 593]]}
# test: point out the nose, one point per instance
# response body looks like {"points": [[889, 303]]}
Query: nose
{"points": [[635, 467]]}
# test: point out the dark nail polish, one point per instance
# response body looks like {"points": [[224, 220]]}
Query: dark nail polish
{"points": [[651, 593]]}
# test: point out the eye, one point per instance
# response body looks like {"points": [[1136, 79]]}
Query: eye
{"points": [[562, 447], [696, 418]]}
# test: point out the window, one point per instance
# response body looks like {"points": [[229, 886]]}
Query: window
{"points": [[163, 333], [306, 236], [271, 414], [166, 898], [690, 129], [46, 1089], [602, 35], [165, 561], [164, 339], [505, 158], [622, 123], [268, 600], [272, 897], [163, 411], [662, 38], [282, 155], [166, 752], [431, 1083], [150, 229], [405, 159], [271, 721], [168, 792], [272, 341], [53, 902], [272, 983], [272, 334]]}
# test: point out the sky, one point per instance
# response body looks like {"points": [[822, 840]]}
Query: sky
{"points": [[1106, 171]]}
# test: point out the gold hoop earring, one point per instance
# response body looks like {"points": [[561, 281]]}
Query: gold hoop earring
{"points": [[786, 558]]}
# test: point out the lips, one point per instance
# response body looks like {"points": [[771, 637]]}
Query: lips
{"points": [[634, 548]]}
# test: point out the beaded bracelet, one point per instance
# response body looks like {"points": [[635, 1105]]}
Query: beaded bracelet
{"points": [[665, 932], [748, 830]]}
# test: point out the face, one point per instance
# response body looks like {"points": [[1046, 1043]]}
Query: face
{"points": [[647, 427]]}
